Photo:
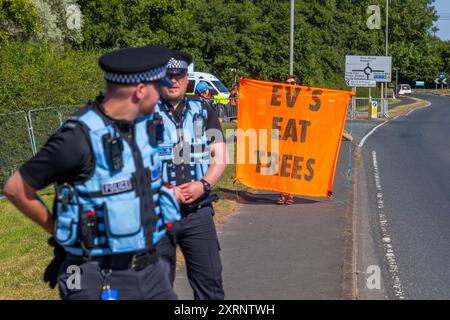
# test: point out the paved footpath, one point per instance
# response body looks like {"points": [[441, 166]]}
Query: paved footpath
{"points": [[302, 251]]}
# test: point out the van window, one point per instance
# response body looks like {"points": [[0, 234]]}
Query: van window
{"points": [[406, 87], [190, 86], [219, 85]]}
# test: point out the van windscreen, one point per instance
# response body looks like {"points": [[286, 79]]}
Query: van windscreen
{"points": [[219, 85]]}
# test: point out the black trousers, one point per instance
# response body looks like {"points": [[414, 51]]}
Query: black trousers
{"points": [[197, 237], [150, 283]]}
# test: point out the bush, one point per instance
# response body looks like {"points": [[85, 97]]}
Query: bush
{"points": [[46, 75]]}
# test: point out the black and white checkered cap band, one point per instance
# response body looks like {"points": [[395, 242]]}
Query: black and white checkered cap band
{"points": [[177, 64], [150, 75]]}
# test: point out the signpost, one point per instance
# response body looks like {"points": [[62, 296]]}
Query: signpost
{"points": [[362, 83], [420, 84], [364, 71], [375, 68], [437, 81], [374, 109]]}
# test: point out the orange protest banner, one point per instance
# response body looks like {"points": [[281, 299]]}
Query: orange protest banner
{"points": [[288, 137]]}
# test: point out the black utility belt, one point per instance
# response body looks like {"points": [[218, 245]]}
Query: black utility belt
{"points": [[205, 201], [123, 261]]}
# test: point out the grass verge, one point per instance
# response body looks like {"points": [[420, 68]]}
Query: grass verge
{"points": [[402, 110]]}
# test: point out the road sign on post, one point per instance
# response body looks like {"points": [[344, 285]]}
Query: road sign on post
{"points": [[362, 83], [373, 109], [375, 68], [420, 84], [437, 81]]}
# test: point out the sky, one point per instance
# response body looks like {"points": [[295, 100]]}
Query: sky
{"points": [[443, 6]]}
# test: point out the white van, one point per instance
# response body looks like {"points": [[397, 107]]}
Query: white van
{"points": [[220, 93]]}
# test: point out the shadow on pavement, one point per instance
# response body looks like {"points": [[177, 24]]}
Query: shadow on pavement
{"points": [[256, 198]]}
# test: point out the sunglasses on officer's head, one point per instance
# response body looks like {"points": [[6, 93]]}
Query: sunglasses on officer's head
{"points": [[291, 82]]}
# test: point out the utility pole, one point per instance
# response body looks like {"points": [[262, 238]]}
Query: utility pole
{"points": [[387, 26], [291, 46], [387, 43]]}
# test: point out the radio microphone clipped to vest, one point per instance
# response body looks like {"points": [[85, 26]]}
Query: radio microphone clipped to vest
{"points": [[113, 148], [155, 129]]}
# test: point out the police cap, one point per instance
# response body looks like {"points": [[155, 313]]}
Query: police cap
{"points": [[179, 62], [135, 65]]}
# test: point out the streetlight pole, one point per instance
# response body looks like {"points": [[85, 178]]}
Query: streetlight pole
{"points": [[387, 26], [387, 41], [291, 45]]}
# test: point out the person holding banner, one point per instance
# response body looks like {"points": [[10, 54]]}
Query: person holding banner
{"points": [[286, 198]]}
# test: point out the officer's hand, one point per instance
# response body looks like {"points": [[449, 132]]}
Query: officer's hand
{"points": [[178, 195], [192, 191]]}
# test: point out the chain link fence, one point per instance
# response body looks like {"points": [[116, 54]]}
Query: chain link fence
{"points": [[15, 143], [23, 134]]}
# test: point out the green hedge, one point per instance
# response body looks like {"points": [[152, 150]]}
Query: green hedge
{"points": [[34, 76], [46, 75]]}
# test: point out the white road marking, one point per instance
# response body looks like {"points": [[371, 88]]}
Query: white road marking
{"points": [[361, 144], [386, 237]]}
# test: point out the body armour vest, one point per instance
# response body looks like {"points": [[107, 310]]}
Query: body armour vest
{"points": [[122, 207], [184, 148]]}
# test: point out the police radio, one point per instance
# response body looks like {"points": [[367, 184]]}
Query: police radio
{"points": [[88, 228], [155, 129], [198, 125], [113, 147]]}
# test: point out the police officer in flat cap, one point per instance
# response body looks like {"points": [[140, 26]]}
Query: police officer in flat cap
{"points": [[111, 209], [194, 158]]}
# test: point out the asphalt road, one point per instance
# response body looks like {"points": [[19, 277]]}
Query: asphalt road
{"points": [[403, 209]]}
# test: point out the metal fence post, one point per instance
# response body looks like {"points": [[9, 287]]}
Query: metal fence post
{"points": [[33, 139]]}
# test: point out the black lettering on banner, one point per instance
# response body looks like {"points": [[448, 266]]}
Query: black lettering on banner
{"points": [[315, 97], [291, 126], [259, 155], [296, 168], [285, 165], [309, 165], [271, 163], [305, 124], [275, 126], [290, 100], [276, 95]]}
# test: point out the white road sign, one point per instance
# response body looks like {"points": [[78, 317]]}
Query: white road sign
{"points": [[445, 81], [375, 68], [362, 83], [437, 80]]}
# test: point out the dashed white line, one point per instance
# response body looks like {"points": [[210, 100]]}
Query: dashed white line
{"points": [[385, 236]]}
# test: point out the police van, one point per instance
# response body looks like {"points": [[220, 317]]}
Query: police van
{"points": [[220, 92]]}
